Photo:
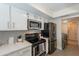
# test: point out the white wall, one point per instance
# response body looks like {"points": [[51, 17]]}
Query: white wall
{"points": [[64, 28], [59, 36], [52, 20]]}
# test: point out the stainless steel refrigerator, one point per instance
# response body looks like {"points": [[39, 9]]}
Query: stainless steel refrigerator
{"points": [[52, 42]]}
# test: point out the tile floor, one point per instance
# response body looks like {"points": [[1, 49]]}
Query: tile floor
{"points": [[69, 51]]}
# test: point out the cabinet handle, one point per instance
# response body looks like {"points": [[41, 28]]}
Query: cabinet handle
{"points": [[13, 25]]}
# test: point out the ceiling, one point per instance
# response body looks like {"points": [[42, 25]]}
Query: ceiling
{"points": [[51, 8]]}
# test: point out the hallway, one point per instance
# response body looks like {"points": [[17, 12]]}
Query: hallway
{"points": [[73, 51]]}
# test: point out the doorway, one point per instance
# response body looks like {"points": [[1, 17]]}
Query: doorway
{"points": [[72, 34], [71, 29]]}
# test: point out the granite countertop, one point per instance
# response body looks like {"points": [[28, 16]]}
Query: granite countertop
{"points": [[8, 48]]}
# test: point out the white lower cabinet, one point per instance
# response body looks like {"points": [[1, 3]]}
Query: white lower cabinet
{"points": [[25, 52], [22, 52], [16, 53]]}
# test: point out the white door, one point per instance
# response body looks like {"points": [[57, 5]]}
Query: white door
{"points": [[19, 19], [4, 17]]}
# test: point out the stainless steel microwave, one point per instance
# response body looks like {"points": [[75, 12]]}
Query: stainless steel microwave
{"points": [[33, 24]]}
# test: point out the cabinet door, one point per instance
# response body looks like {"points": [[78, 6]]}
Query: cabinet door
{"points": [[16, 53], [21, 52], [26, 51], [19, 19], [4, 17]]}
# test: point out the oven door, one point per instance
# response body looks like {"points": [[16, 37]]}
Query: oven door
{"points": [[35, 50], [39, 50]]}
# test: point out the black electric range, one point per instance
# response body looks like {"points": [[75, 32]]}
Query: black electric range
{"points": [[35, 40]]}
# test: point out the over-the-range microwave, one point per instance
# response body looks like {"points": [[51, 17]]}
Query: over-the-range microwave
{"points": [[33, 24]]}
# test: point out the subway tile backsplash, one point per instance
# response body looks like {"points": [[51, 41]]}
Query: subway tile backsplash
{"points": [[5, 35]]}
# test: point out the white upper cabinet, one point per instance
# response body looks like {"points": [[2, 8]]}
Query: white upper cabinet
{"points": [[18, 19], [4, 17], [12, 18]]}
